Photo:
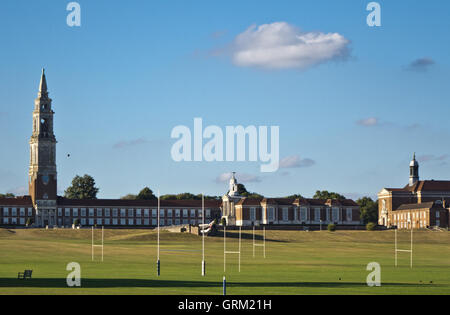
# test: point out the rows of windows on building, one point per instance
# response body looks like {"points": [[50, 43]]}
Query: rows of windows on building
{"points": [[314, 217], [403, 220], [112, 216]]}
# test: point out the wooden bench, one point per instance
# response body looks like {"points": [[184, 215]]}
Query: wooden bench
{"points": [[25, 275]]}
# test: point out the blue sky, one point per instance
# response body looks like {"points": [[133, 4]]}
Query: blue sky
{"points": [[136, 69]]}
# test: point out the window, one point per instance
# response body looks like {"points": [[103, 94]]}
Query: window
{"points": [[169, 213], [138, 212], [67, 212], [177, 213], [208, 213], [154, 214], [154, 223], [185, 221], [14, 212], [317, 215], [114, 221], [5, 212], [14, 221], [75, 212], [91, 221], [99, 213], [169, 221], [130, 213], [5, 221], [22, 221], [185, 213], [91, 212], [107, 212], [349, 214], [162, 222], [30, 212], [271, 214], [438, 215], [123, 221], [83, 221], [115, 212], [130, 221], [252, 214], [335, 214], [99, 221], [83, 212], [123, 213], [177, 221], [303, 214], [22, 212], [107, 221], [138, 221], [192, 213], [285, 214], [146, 213], [146, 222], [162, 212], [192, 222]]}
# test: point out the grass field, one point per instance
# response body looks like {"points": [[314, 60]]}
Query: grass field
{"points": [[296, 263]]}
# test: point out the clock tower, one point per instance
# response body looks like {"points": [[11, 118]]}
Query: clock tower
{"points": [[42, 172]]}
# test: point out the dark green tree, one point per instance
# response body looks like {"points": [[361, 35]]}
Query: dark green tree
{"points": [[82, 188], [295, 196], [369, 209], [8, 195], [325, 195], [129, 197], [242, 191], [146, 194]]}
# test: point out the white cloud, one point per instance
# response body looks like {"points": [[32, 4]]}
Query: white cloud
{"points": [[368, 122], [294, 161], [280, 46], [241, 178]]}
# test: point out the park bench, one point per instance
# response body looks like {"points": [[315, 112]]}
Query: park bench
{"points": [[25, 275]]}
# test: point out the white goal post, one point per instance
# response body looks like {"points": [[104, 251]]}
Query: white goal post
{"points": [[263, 245], [94, 245], [225, 252], [397, 250]]}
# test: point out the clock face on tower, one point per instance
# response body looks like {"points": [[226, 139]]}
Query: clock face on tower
{"points": [[45, 179]]}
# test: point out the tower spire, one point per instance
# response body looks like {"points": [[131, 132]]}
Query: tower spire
{"points": [[413, 171], [43, 84]]}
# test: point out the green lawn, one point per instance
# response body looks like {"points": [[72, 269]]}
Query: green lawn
{"points": [[296, 263]]}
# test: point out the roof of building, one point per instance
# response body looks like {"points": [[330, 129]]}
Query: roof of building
{"points": [[424, 186], [16, 201], [423, 205], [137, 203], [249, 202]]}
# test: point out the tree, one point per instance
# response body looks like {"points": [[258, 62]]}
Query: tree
{"points": [[325, 195], [129, 197], [146, 194], [295, 196], [242, 191], [369, 209], [82, 188], [8, 195]]}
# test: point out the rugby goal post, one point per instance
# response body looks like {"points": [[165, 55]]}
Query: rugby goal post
{"points": [[397, 250], [225, 252], [255, 244], [94, 245]]}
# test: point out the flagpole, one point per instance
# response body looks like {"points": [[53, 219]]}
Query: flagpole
{"points": [[203, 237], [158, 263]]}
